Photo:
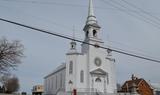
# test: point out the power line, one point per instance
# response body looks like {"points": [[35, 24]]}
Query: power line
{"points": [[52, 22], [70, 5], [60, 25], [138, 16], [127, 10], [121, 49], [64, 26], [70, 38], [137, 13], [141, 10], [143, 13], [45, 3], [131, 49]]}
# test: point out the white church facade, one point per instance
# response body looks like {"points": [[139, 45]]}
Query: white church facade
{"points": [[90, 70]]}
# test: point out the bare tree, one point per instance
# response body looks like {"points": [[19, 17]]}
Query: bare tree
{"points": [[11, 84], [10, 55], [4, 78]]}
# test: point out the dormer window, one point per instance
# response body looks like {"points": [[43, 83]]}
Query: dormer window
{"points": [[94, 33]]}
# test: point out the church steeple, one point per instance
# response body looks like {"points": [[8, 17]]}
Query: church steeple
{"points": [[91, 28], [73, 43], [91, 19]]}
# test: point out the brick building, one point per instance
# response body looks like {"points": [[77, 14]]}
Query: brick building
{"points": [[142, 87]]}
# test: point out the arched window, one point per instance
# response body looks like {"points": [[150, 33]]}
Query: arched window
{"points": [[82, 76], [94, 33], [71, 67], [87, 33], [72, 46], [98, 79]]}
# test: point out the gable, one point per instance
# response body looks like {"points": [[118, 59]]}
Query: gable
{"points": [[129, 83]]}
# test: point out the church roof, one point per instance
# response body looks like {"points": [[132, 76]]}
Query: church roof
{"points": [[58, 69]]}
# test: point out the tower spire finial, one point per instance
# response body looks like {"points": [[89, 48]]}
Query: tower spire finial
{"points": [[91, 19]]}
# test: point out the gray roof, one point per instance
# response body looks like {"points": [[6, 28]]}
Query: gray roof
{"points": [[59, 68]]}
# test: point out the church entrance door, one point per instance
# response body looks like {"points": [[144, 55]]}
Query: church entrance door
{"points": [[98, 80], [99, 84]]}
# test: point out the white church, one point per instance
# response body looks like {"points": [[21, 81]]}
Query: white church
{"points": [[92, 70]]}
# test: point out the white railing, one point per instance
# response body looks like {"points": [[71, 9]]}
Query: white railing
{"points": [[87, 90], [90, 91]]}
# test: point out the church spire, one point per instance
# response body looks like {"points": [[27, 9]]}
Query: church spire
{"points": [[90, 11], [91, 19], [73, 42], [91, 27]]}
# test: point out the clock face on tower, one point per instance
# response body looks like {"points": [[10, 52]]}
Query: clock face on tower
{"points": [[97, 61]]}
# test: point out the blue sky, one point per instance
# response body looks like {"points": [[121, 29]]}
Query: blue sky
{"points": [[119, 30]]}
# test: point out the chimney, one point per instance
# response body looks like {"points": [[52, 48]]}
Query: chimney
{"points": [[134, 77]]}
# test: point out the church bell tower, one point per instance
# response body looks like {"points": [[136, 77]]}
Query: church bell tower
{"points": [[91, 29], [100, 64]]}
